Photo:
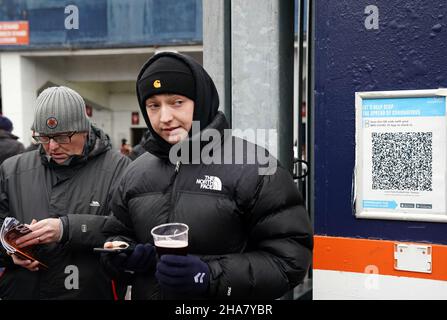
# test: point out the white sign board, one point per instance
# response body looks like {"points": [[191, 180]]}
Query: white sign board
{"points": [[401, 155]]}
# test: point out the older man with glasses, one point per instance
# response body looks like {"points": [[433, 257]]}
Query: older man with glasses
{"points": [[61, 189]]}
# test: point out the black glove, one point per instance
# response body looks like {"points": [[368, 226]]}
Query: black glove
{"points": [[186, 276], [141, 259]]}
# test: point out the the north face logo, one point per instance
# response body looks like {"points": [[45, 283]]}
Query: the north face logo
{"points": [[210, 183]]}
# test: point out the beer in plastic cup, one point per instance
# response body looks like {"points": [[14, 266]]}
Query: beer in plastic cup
{"points": [[171, 238]]}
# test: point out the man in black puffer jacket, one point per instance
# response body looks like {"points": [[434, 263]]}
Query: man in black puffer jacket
{"points": [[63, 186], [249, 233]]}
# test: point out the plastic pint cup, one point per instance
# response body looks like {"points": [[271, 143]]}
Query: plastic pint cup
{"points": [[171, 238]]}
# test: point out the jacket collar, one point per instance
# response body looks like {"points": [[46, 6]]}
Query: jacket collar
{"points": [[7, 135]]}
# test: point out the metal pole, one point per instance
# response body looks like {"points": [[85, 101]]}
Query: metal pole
{"points": [[301, 18], [217, 48], [310, 109], [262, 70]]}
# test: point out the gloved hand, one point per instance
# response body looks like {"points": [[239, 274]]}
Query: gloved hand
{"points": [[183, 275], [141, 259]]}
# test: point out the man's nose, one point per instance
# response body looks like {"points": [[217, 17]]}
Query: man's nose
{"points": [[53, 144], [165, 114]]}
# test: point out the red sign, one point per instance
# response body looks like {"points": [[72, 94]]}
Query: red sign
{"points": [[89, 111], [135, 118], [14, 33], [303, 110]]}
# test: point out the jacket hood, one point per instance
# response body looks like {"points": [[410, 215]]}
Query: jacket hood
{"points": [[98, 142], [206, 103]]}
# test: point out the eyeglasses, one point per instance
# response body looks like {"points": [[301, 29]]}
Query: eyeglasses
{"points": [[64, 138]]}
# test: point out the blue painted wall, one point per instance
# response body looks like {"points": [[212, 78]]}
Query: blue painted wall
{"points": [[107, 23], [408, 51]]}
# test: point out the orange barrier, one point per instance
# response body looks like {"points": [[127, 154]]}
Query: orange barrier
{"points": [[365, 256]]}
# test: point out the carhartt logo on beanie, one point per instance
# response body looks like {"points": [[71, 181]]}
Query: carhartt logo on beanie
{"points": [[60, 109], [157, 84], [166, 75]]}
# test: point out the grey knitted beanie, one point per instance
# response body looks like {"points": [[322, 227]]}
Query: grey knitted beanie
{"points": [[60, 109]]}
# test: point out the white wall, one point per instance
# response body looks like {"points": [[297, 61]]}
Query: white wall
{"points": [[338, 285], [123, 105], [102, 68], [123, 102], [103, 119], [19, 86], [95, 92]]}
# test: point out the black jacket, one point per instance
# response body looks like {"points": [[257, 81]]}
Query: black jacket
{"points": [[31, 187], [251, 229], [9, 146]]}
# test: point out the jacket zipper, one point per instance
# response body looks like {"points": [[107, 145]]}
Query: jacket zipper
{"points": [[172, 204]]}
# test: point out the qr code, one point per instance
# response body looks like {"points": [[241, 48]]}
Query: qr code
{"points": [[402, 161]]}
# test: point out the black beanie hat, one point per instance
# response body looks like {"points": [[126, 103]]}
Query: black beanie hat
{"points": [[167, 75], [5, 124]]}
